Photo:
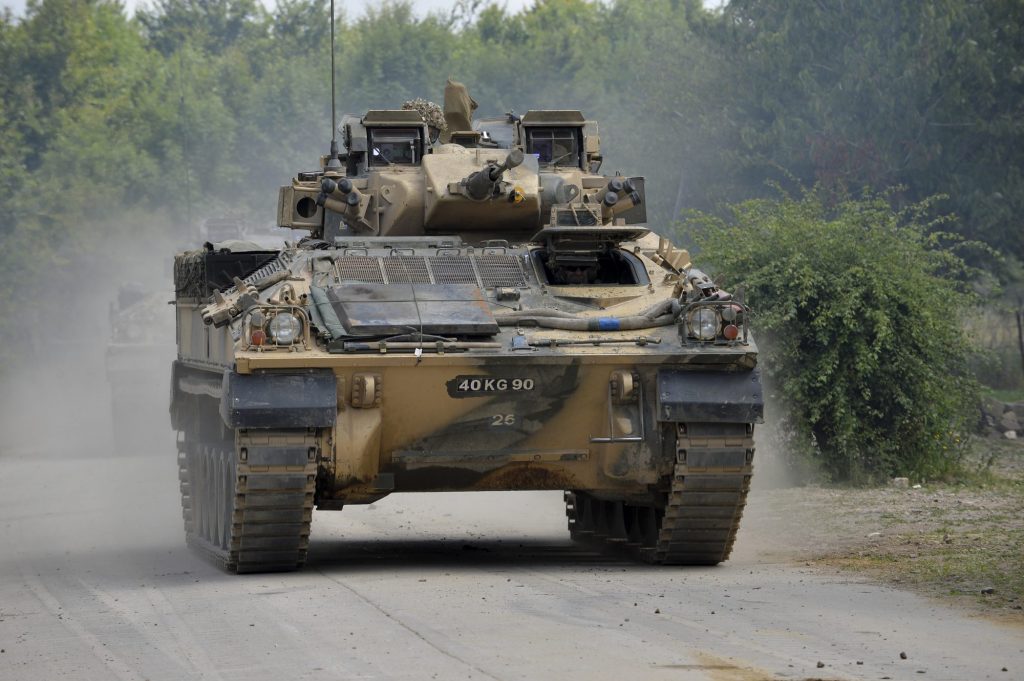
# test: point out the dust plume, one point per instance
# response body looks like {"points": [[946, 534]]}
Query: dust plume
{"points": [[775, 528], [83, 416]]}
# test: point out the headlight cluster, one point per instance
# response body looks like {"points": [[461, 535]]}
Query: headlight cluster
{"points": [[704, 323], [284, 328], [707, 323], [277, 327]]}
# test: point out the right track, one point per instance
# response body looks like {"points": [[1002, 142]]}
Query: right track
{"points": [[696, 521]]}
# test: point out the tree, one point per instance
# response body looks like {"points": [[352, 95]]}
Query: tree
{"points": [[924, 95], [857, 309], [213, 25]]}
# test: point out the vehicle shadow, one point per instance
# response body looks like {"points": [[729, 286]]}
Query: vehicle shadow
{"points": [[414, 554], [175, 563]]}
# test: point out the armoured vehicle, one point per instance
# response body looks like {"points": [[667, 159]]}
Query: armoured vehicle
{"points": [[140, 341], [469, 307]]}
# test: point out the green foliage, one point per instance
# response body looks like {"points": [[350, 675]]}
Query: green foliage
{"points": [[214, 25], [194, 108], [230, 96], [1016, 395], [925, 95], [390, 45], [858, 310]]}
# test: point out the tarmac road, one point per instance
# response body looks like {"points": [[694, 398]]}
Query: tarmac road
{"points": [[96, 583]]}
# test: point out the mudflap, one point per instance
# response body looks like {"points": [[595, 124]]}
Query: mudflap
{"points": [[302, 399], [710, 396]]}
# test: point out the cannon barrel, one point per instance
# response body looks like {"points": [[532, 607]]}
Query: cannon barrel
{"points": [[480, 185]]}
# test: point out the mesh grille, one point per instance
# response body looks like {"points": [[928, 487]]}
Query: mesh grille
{"points": [[500, 270], [406, 269], [452, 269], [568, 217], [360, 268], [275, 265], [494, 270], [279, 263]]}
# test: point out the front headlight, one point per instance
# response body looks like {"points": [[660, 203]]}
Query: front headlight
{"points": [[704, 323], [285, 328]]}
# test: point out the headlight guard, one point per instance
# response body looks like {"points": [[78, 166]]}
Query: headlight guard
{"points": [[714, 321], [269, 327]]}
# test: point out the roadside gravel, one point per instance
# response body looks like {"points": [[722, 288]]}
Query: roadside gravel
{"points": [[960, 541]]}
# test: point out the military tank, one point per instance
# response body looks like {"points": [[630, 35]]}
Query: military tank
{"points": [[468, 306]]}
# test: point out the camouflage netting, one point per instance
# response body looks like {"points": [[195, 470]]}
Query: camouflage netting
{"points": [[431, 113], [197, 274], [190, 274]]}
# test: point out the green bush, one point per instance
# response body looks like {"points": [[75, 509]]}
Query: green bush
{"points": [[858, 312]]}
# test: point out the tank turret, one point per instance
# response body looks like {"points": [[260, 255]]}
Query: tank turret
{"points": [[417, 171]]}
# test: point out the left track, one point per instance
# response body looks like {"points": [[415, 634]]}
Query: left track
{"points": [[248, 504]]}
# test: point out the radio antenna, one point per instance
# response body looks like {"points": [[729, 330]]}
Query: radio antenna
{"points": [[333, 163], [183, 113]]}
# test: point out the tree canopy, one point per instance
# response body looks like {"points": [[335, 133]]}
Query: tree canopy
{"points": [[232, 97], [116, 127]]}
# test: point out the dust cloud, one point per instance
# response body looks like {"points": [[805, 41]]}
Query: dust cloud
{"points": [[83, 421], [87, 455], [776, 466], [771, 531]]}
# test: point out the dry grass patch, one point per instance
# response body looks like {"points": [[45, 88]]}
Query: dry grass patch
{"points": [[961, 539]]}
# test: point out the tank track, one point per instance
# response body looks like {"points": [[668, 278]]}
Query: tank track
{"points": [[248, 505], [696, 521]]}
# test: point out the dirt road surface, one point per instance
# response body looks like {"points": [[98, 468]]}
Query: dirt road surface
{"points": [[96, 584]]}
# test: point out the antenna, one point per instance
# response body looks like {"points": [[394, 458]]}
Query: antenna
{"points": [[333, 163], [183, 114]]}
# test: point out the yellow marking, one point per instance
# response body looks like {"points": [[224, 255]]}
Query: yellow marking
{"points": [[720, 669]]}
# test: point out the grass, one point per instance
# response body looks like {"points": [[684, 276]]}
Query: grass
{"points": [[982, 562], [1011, 395]]}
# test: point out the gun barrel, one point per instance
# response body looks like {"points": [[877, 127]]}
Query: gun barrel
{"points": [[513, 160], [480, 185]]}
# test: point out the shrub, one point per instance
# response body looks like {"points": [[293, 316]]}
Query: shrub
{"points": [[858, 308]]}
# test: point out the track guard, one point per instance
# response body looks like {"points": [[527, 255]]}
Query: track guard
{"points": [[710, 396], [306, 399]]}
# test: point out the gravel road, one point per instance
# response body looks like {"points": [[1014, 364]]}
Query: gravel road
{"points": [[96, 584]]}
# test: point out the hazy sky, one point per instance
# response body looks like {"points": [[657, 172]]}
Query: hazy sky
{"points": [[353, 8]]}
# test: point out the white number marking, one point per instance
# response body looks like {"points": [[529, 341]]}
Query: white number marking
{"points": [[477, 385]]}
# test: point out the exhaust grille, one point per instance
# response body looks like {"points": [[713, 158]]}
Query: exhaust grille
{"points": [[361, 269], [485, 271], [501, 270], [406, 269], [452, 269]]}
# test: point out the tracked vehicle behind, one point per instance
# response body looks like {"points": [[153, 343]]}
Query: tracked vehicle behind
{"points": [[140, 341], [471, 308]]}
